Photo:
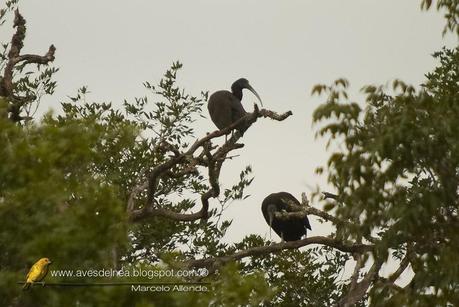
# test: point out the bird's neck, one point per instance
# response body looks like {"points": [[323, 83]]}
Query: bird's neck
{"points": [[237, 92]]}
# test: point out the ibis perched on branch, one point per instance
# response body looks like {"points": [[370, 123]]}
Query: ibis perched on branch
{"points": [[289, 228], [225, 107]]}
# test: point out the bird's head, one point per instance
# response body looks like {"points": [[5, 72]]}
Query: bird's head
{"points": [[45, 261], [243, 83]]}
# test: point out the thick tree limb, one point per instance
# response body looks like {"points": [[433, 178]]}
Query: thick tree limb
{"points": [[131, 201], [384, 282], [38, 59], [357, 292], [213, 263], [360, 262]]}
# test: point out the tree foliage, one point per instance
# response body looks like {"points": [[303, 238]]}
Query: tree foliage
{"points": [[451, 13], [74, 186], [95, 186]]}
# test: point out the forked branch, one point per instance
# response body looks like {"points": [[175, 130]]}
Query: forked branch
{"points": [[15, 102]]}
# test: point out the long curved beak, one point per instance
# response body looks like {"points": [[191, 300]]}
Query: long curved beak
{"points": [[250, 88]]}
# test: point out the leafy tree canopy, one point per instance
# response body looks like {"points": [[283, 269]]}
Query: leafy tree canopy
{"points": [[97, 187]]}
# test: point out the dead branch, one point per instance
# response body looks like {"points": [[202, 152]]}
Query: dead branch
{"points": [[320, 213], [14, 58], [274, 115], [302, 210], [307, 209]]}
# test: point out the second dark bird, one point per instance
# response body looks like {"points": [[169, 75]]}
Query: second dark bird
{"points": [[289, 230], [225, 107]]}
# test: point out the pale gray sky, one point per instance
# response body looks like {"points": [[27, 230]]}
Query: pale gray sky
{"points": [[282, 47]]}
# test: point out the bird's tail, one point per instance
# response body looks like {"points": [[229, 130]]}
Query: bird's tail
{"points": [[26, 286]]}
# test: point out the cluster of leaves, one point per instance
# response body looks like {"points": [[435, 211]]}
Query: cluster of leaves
{"points": [[10, 5], [397, 173], [34, 84], [451, 8], [50, 204]]}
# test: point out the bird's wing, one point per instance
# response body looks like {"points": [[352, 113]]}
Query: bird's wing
{"points": [[237, 110], [43, 274], [33, 272], [37, 272], [219, 107]]}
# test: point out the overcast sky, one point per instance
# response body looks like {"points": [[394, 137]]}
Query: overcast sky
{"points": [[282, 47]]}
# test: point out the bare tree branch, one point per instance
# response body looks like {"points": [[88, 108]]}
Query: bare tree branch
{"points": [[304, 209], [328, 217], [37, 59], [14, 57], [214, 263]]}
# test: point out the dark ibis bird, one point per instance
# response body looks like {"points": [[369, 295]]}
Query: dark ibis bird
{"points": [[225, 107], [291, 229]]}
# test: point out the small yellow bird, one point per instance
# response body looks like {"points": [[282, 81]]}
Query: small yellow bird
{"points": [[37, 272]]}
